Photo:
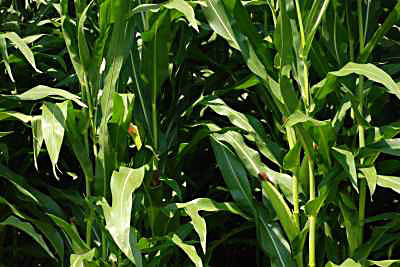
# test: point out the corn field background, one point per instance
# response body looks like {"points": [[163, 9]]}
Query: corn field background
{"points": [[200, 133]]}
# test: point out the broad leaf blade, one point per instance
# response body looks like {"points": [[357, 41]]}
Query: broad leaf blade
{"points": [[118, 217], [53, 126], [234, 175]]}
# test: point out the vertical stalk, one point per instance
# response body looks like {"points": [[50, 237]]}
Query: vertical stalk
{"points": [[306, 98], [313, 219], [291, 136], [361, 130], [349, 33]]}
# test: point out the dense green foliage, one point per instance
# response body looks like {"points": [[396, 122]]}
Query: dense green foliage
{"points": [[205, 133]]}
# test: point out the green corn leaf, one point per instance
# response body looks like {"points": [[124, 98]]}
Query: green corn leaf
{"points": [[292, 159], [28, 229], [183, 7], [388, 146], [346, 160], [119, 123], [193, 207], [325, 137], [283, 36], [188, 249], [365, 249], [299, 117], [251, 125], [281, 208], [78, 245], [77, 125], [352, 225], [221, 16], [42, 91], [370, 71], [391, 182], [142, 106], [21, 46], [37, 137], [155, 55], [327, 187], [372, 178], [4, 54], [314, 19], [234, 174], [78, 260], [346, 263], [394, 17], [53, 127], [84, 53], [32, 195], [179, 5], [12, 114], [2, 134], [382, 263], [47, 229], [272, 240], [71, 42], [118, 217], [118, 51], [252, 161]]}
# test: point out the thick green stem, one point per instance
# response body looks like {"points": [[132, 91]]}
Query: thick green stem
{"points": [[312, 218], [306, 96], [361, 130]]}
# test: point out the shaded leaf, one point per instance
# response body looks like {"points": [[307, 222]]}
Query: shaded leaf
{"points": [[28, 229], [234, 175], [346, 160], [281, 208]]}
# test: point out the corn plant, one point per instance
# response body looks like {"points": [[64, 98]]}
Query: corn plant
{"points": [[205, 133]]}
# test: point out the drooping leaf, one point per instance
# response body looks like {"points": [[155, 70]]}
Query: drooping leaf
{"points": [[42, 91], [251, 125], [22, 46], [78, 245], [12, 114], [346, 263], [370, 71], [28, 229], [372, 178], [47, 229], [78, 260], [190, 250], [37, 137], [193, 207], [388, 146], [183, 7], [32, 195], [53, 127], [221, 16], [391, 182], [118, 217], [346, 160]]}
